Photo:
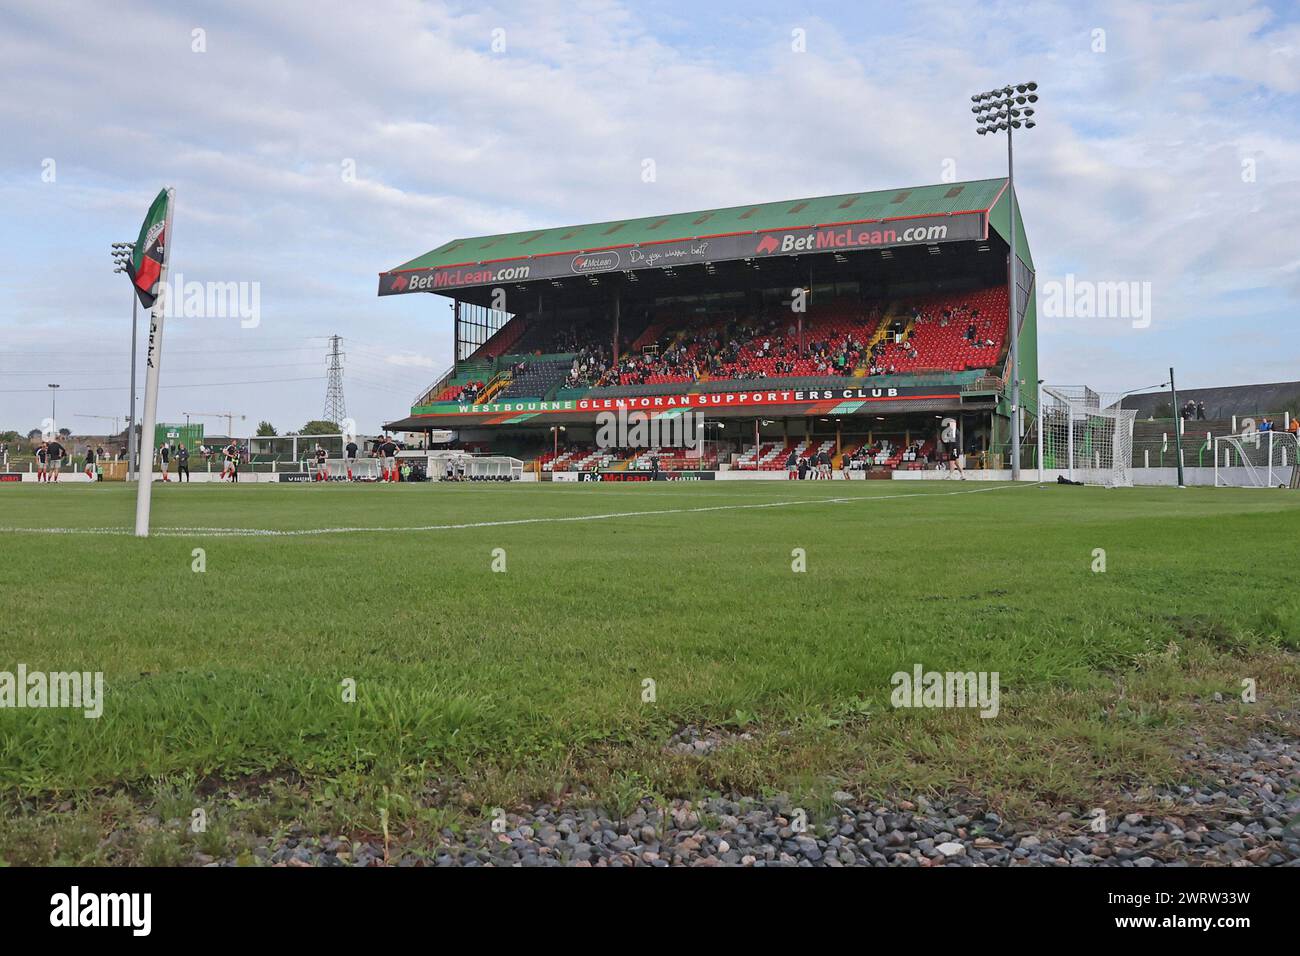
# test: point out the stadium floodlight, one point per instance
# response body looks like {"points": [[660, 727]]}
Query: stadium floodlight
{"points": [[1008, 106], [122, 253]]}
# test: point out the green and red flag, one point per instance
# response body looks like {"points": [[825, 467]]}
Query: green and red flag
{"points": [[146, 263]]}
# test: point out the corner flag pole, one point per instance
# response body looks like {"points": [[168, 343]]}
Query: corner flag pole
{"points": [[1178, 428], [153, 363]]}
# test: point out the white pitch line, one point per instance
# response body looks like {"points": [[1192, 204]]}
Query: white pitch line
{"points": [[306, 532]]}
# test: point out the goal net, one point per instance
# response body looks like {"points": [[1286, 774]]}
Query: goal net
{"points": [[1256, 459], [1087, 437]]}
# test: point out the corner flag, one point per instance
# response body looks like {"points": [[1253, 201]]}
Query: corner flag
{"points": [[150, 253], [149, 275]]}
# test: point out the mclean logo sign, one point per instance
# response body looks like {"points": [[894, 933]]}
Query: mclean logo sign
{"points": [[595, 262]]}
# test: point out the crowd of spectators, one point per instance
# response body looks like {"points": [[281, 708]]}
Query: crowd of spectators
{"points": [[742, 349], [591, 367], [831, 342]]}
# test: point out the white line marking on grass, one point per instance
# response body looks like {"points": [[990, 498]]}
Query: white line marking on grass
{"points": [[177, 532]]}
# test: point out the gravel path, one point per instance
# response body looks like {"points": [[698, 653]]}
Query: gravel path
{"points": [[1246, 812]]}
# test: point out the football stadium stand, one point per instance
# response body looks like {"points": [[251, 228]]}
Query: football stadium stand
{"points": [[851, 324]]}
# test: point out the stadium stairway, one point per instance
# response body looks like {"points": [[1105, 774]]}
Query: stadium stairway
{"points": [[500, 381]]}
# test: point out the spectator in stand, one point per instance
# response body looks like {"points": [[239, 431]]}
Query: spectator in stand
{"points": [[1200, 411]]}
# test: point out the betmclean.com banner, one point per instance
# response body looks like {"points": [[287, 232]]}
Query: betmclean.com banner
{"points": [[880, 234], [814, 398]]}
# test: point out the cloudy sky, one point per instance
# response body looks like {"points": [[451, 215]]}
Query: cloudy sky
{"points": [[314, 144]]}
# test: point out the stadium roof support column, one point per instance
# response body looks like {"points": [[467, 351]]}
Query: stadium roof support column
{"points": [[455, 336], [618, 307]]}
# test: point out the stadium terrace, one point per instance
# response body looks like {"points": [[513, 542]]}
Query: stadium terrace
{"points": [[858, 326]]}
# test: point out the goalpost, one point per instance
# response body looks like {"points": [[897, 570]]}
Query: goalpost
{"points": [[1086, 438], [1256, 459]]}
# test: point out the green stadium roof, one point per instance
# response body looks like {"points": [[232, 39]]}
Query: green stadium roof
{"points": [[941, 199]]}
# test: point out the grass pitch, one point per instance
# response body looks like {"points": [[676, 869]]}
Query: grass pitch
{"points": [[478, 687]]}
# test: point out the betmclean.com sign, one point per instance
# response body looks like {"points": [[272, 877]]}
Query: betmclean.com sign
{"points": [[713, 401], [810, 240]]}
